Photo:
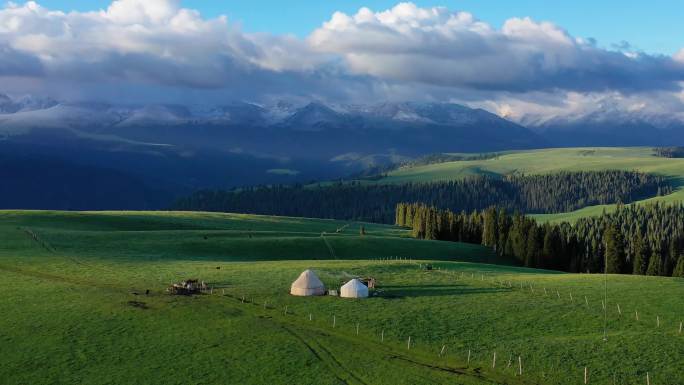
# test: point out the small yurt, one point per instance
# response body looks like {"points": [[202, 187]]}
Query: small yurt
{"points": [[307, 284], [354, 289]]}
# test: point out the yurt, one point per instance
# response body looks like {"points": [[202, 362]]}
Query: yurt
{"points": [[307, 284], [354, 289]]}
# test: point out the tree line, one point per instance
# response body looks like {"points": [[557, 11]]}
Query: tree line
{"points": [[552, 193], [635, 239], [669, 152]]}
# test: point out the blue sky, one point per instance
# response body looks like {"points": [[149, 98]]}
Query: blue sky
{"points": [[654, 26]]}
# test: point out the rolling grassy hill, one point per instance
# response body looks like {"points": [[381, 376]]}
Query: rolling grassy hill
{"points": [[75, 308], [553, 160]]}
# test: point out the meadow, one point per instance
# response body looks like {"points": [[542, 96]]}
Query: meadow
{"points": [[75, 308], [547, 161]]}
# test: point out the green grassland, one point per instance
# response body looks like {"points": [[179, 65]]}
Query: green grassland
{"points": [[554, 160], [75, 308]]}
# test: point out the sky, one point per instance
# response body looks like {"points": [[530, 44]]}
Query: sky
{"points": [[524, 60], [654, 26]]}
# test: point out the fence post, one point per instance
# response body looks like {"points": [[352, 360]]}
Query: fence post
{"points": [[494, 361], [382, 335], [408, 344], [519, 366], [334, 321], [648, 379], [468, 356], [586, 375]]}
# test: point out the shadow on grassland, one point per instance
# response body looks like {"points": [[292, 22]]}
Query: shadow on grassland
{"points": [[399, 292]]}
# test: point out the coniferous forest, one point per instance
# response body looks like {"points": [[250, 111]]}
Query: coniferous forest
{"points": [[643, 239], [552, 193], [669, 152]]}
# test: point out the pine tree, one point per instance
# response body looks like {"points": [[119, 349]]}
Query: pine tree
{"points": [[655, 264], [671, 258], [504, 224], [534, 246], [679, 268], [640, 260], [551, 253], [419, 225], [615, 250], [431, 225], [490, 236]]}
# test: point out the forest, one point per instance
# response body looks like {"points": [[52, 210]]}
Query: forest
{"points": [[443, 158], [669, 152], [638, 239], [552, 193]]}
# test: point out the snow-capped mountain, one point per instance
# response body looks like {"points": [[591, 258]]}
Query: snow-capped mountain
{"points": [[173, 149], [606, 121], [26, 103], [260, 127]]}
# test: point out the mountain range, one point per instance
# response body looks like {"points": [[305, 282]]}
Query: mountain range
{"points": [[151, 154]]}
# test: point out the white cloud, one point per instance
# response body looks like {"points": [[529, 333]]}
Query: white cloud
{"points": [[146, 41], [157, 49], [679, 56], [144, 12], [438, 46]]}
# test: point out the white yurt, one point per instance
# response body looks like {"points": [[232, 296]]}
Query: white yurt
{"points": [[307, 284], [354, 289]]}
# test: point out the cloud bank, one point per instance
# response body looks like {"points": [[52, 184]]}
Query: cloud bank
{"points": [[157, 50]]}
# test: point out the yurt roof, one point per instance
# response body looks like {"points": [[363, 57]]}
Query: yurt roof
{"points": [[308, 280], [354, 284]]}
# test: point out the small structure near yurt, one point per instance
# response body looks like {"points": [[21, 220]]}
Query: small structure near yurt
{"points": [[370, 282], [187, 287], [307, 284], [354, 289]]}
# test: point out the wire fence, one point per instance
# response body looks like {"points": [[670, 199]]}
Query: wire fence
{"points": [[507, 361]]}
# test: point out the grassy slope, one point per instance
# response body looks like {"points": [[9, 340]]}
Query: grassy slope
{"points": [[553, 160], [66, 316]]}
